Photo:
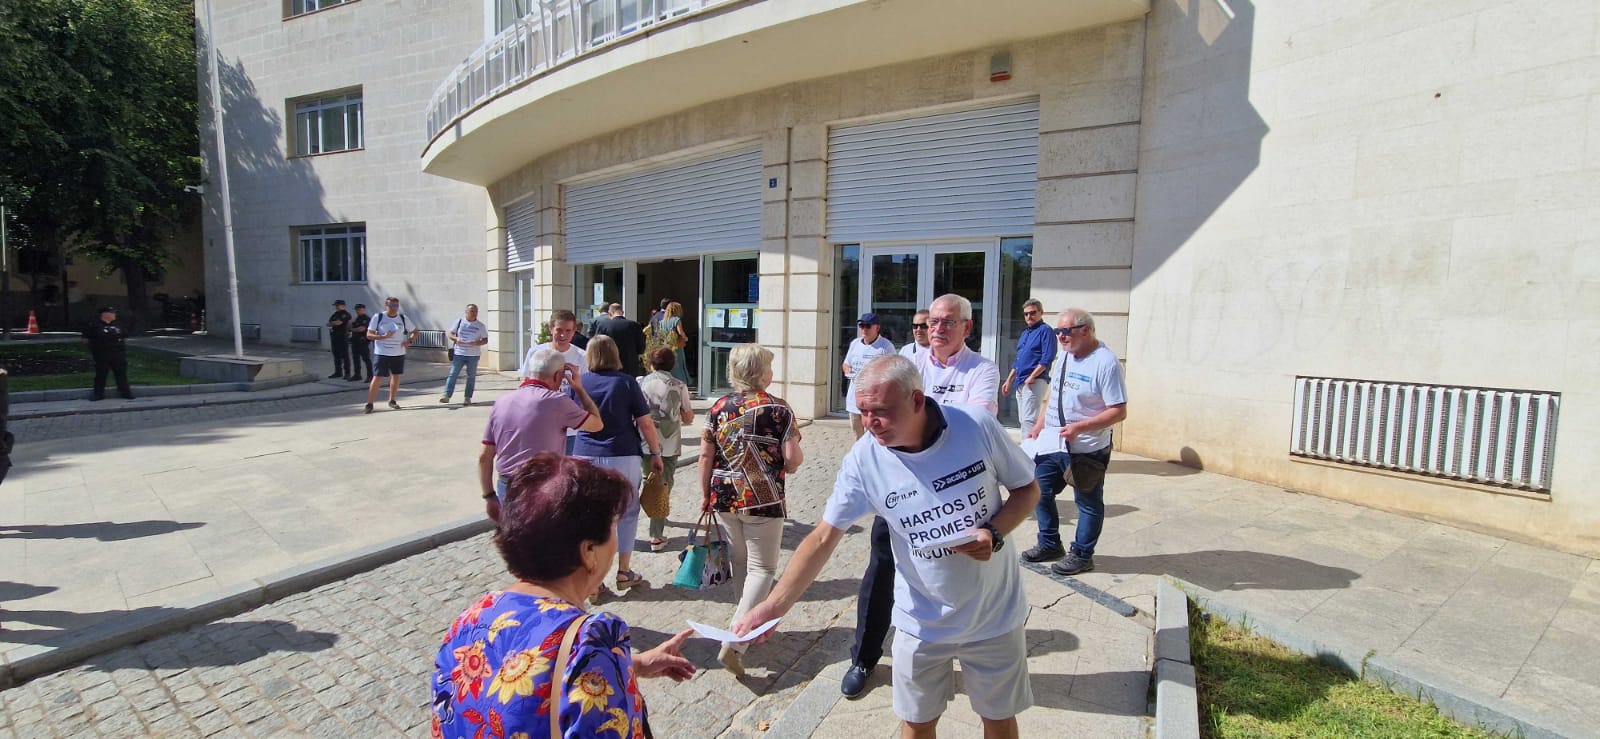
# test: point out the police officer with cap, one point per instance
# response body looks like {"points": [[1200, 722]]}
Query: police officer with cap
{"points": [[339, 337], [108, 345], [360, 348]]}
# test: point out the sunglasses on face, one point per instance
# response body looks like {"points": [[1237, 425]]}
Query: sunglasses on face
{"points": [[1030, 313], [919, 327], [1065, 332]]}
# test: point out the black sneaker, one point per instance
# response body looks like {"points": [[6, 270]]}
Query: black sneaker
{"points": [[357, 378], [1043, 554], [369, 408], [335, 375], [1073, 565], [394, 405], [855, 681]]}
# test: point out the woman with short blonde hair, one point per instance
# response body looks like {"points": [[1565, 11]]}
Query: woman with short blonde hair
{"points": [[751, 445], [602, 354]]}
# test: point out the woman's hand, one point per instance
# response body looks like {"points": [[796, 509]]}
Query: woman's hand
{"points": [[666, 660]]}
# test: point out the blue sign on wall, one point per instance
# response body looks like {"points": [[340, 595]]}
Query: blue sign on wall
{"points": [[754, 289]]}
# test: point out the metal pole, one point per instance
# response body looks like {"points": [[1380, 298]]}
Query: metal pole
{"points": [[5, 274], [222, 182]]}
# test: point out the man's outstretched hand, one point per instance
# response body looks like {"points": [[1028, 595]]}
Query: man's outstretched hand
{"points": [[762, 613]]}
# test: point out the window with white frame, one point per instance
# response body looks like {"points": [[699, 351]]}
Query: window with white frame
{"points": [[332, 253], [327, 123], [301, 7]]}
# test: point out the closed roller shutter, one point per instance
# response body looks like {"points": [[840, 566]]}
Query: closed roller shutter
{"points": [[522, 234], [701, 207], [971, 173]]}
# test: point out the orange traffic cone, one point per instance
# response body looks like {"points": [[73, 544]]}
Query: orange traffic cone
{"points": [[33, 323]]}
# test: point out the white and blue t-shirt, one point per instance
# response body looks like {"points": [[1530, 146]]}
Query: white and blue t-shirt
{"points": [[941, 495], [1081, 389]]}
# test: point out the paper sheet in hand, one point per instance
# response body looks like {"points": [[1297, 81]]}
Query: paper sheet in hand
{"points": [[712, 632], [950, 541]]}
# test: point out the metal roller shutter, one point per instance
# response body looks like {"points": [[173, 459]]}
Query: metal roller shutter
{"points": [[522, 234], [971, 173], [701, 207]]}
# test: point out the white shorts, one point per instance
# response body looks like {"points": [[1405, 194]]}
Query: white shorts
{"points": [[994, 673]]}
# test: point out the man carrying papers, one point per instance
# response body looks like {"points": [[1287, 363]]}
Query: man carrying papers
{"points": [[934, 474]]}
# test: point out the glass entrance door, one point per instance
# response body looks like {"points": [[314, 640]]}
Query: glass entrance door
{"points": [[897, 281], [732, 290]]}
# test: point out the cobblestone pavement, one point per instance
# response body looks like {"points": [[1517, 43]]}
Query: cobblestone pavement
{"points": [[352, 658]]}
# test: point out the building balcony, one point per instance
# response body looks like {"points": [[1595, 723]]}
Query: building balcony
{"points": [[574, 69]]}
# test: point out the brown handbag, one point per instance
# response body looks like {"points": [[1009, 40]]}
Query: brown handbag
{"points": [[654, 497]]}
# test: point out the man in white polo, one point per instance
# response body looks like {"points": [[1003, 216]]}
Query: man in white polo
{"points": [[934, 473]]}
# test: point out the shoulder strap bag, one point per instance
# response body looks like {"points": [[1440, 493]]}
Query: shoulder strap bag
{"points": [[558, 679]]}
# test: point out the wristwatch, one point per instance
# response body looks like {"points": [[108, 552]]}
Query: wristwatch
{"points": [[994, 533]]}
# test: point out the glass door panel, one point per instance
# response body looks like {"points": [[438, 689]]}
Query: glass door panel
{"points": [[963, 273], [732, 291], [894, 293]]}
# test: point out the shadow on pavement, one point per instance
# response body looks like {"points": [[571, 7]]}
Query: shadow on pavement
{"points": [[1113, 693], [22, 591], [102, 530], [216, 644], [1228, 569], [1149, 467]]}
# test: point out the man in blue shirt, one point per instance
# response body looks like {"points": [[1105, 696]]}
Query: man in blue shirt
{"points": [[1036, 350]]}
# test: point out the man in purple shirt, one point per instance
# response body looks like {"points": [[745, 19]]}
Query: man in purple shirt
{"points": [[1036, 350], [534, 418]]}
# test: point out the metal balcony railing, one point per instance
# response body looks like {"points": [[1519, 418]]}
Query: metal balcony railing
{"points": [[543, 39]]}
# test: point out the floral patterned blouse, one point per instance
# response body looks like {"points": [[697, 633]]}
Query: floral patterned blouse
{"points": [[492, 675], [746, 432]]}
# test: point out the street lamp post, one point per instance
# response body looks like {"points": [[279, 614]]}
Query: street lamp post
{"points": [[221, 166]]}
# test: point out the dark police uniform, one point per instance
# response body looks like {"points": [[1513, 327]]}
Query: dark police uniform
{"points": [[360, 348], [108, 345], [339, 339]]}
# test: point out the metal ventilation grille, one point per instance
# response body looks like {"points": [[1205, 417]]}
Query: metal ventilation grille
{"points": [[1495, 437], [431, 340], [305, 334]]}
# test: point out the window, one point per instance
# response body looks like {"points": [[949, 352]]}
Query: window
{"points": [[301, 7], [333, 253], [326, 124]]}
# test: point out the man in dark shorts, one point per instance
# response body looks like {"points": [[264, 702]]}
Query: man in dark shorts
{"points": [[391, 334]]}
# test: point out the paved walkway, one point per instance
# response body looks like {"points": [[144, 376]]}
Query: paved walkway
{"points": [[352, 658]]}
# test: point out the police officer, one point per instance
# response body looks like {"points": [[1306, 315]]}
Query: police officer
{"points": [[360, 348], [339, 338], [108, 345]]}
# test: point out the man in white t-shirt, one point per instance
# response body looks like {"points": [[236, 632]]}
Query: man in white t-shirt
{"points": [[934, 473], [869, 343], [1085, 399], [918, 345], [952, 373], [563, 327], [391, 334], [467, 337]]}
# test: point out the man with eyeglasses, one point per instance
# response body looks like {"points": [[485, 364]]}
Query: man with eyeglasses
{"points": [[869, 343], [952, 374], [918, 346], [391, 334], [1071, 441], [1036, 350]]}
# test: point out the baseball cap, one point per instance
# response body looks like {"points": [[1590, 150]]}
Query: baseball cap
{"points": [[338, 302], [109, 309], [361, 305], [871, 319]]}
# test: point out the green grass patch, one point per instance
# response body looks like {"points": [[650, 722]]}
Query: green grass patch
{"points": [[1250, 686], [66, 366]]}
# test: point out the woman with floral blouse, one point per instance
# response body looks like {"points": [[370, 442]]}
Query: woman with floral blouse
{"points": [[751, 445], [493, 673]]}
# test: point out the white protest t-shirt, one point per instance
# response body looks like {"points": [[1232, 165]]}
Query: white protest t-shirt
{"points": [[467, 332], [969, 379], [941, 494], [573, 354], [857, 357], [1082, 389], [393, 346], [913, 350]]}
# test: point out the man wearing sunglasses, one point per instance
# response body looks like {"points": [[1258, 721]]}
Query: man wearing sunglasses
{"points": [[869, 343], [1071, 441], [1036, 350], [918, 345]]}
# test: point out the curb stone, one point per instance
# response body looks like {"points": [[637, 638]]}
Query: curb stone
{"points": [[1177, 703], [1466, 705], [803, 715], [27, 662]]}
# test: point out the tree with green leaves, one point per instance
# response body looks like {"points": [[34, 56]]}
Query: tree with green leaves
{"points": [[98, 129]]}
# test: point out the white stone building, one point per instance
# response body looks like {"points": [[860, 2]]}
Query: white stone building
{"points": [[1346, 248]]}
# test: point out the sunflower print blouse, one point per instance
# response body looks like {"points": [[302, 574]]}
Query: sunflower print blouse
{"points": [[491, 678]]}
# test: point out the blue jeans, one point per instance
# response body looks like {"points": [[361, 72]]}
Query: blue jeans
{"points": [[1051, 470], [458, 361]]}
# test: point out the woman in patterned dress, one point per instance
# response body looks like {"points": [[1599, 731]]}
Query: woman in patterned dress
{"points": [[750, 446], [493, 673]]}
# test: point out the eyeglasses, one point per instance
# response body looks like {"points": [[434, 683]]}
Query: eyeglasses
{"points": [[943, 322], [1065, 332], [919, 327]]}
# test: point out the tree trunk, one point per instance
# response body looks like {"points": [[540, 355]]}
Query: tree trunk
{"points": [[133, 277]]}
